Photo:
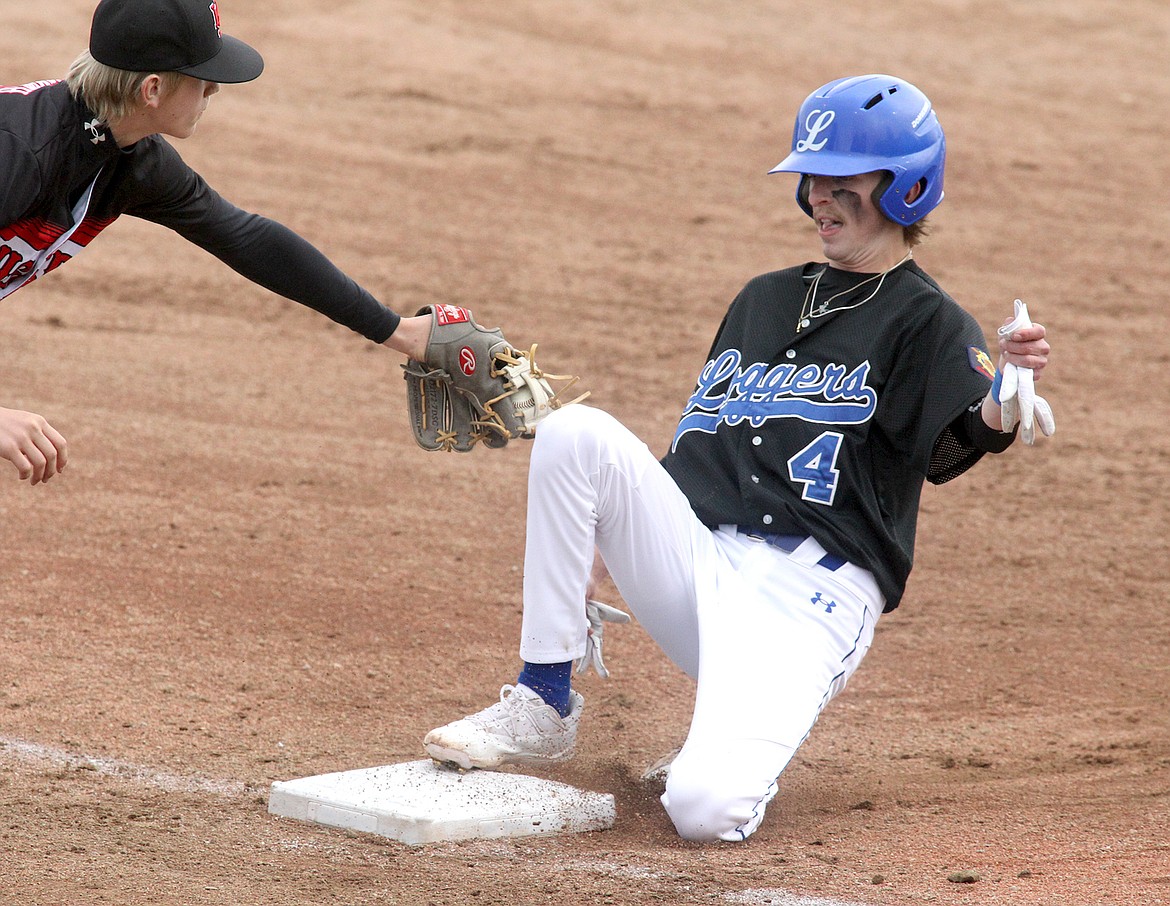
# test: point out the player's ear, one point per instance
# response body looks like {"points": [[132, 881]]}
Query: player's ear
{"points": [[915, 191], [150, 90]]}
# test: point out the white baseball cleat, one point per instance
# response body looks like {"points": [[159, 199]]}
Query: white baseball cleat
{"points": [[519, 729]]}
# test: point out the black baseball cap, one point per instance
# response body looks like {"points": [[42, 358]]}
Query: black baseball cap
{"points": [[170, 36]]}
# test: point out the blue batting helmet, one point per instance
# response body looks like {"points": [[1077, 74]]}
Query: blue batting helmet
{"points": [[868, 123]]}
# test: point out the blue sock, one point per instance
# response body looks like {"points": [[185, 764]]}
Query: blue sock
{"points": [[551, 682]]}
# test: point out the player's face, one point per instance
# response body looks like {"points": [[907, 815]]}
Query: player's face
{"points": [[180, 108], [855, 234]]}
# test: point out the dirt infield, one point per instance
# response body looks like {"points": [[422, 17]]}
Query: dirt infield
{"points": [[250, 573]]}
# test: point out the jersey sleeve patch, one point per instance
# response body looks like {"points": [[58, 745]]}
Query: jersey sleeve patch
{"points": [[981, 362]]}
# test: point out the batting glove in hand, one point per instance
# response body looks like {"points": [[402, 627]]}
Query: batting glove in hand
{"points": [[1018, 399], [598, 614]]}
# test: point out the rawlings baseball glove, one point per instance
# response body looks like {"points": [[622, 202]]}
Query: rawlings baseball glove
{"points": [[475, 387]]}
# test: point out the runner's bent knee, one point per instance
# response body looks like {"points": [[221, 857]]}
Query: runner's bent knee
{"points": [[573, 429], [721, 795]]}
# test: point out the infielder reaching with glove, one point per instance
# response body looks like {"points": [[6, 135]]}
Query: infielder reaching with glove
{"points": [[761, 550], [76, 154]]}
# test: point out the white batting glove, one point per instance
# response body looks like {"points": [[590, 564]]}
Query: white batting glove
{"points": [[1018, 399], [598, 614]]}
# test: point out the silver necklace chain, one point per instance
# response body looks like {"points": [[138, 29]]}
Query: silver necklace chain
{"points": [[810, 309]]}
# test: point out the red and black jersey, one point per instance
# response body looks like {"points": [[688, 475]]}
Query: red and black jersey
{"points": [[63, 180], [830, 430]]}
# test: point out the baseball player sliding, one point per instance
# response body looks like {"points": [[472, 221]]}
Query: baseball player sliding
{"points": [[760, 551]]}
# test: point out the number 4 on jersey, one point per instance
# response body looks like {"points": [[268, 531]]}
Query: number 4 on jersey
{"points": [[816, 468]]}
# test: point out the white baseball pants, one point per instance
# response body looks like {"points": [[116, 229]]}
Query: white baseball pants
{"points": [[770, 637]]}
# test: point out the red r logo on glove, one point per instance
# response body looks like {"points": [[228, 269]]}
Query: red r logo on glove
{"points": [[467, 360]]}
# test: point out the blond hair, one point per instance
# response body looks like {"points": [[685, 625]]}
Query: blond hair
{"points": [[108, 92]]}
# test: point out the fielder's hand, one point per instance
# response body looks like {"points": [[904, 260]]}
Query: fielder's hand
{"points": [[31, 444], [1018, 399], [598, 614]]}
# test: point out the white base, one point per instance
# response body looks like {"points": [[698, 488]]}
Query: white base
{"points": [[421, 802]]}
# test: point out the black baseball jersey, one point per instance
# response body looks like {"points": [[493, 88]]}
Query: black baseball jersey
{"points": [[63, 180], [831, 430]]}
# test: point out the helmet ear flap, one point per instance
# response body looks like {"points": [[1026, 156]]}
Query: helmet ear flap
{"points": [[880, 189], [802, 190]]}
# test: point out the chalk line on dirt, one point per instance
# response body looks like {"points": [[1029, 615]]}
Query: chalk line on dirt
{"points": [[769, 896], [34, 753], [775, 896]]}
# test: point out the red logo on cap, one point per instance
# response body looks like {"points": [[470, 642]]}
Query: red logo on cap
{"points": [[215, 12], [467, 360]]}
